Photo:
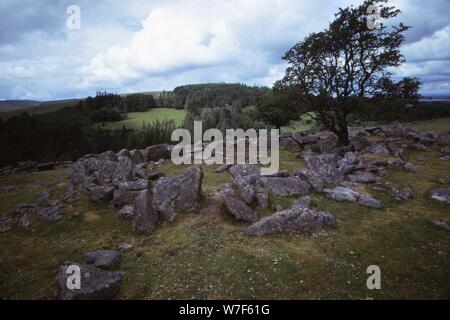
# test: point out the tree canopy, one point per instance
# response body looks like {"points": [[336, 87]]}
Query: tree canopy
{"points": [[333, 72]]}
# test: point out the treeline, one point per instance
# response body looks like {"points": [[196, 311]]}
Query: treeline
{"points": [[400, 110], [109, 107], [38, 138], [196, 97]]}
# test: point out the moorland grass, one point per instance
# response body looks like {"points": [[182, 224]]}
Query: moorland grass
{"points": [[207, 255]]}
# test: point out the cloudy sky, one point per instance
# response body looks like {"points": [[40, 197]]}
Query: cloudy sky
{"points": [[147, 45]]}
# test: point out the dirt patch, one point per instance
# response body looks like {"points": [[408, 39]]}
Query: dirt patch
{"points": [[91, 216]]}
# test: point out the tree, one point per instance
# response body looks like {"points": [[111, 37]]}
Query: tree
{"points": [[405, 91], [274, 110], [336, 70]]}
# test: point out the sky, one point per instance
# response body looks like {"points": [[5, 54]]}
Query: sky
{"points": [[151, 45]]}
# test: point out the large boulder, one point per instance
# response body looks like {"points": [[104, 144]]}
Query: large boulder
{"points": [[95, 284], [297, 219], [245, 170], [124, 169], [235, 205], [123, 197], [285, 186], [137, 156], [315, 180], [181, 192], [190, 190], [145, 217], [155, 153], [100, 193]]}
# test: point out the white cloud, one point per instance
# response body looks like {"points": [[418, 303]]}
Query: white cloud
{"points": [[146, 45], [188, 35]]}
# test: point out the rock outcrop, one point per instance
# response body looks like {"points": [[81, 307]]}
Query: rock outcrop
{"points": [[298, 219], [95, 283]]}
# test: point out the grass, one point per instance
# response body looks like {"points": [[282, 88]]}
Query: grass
{"points": [[440, 125], [306, 123], [206, 255], [40, 110], [135, 120]]}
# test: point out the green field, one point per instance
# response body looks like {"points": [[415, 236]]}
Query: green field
{"points": [[135, 120]]}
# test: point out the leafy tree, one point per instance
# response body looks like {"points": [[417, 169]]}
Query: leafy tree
{"points": [[336, 70], [406, 90]]}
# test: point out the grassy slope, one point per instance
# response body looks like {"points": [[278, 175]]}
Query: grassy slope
{"points": [[38, 110], [208, 255], [136, 119]]}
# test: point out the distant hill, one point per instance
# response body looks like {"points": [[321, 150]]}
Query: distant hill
{"points": [[10, 105], [11, 108]]}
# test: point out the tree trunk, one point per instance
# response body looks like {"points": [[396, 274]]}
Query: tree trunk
{"points": [[343, 132]]}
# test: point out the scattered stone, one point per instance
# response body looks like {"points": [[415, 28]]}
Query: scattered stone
{"points": [[445, 150], [100, 194], [137, 185], [235, 205], [183, 192], [370, 202], [296, 219], [122, 198], [441, 224], [24, 221], [103, 259], [402, 194], [9, 188], [379, 148], [410, 167], [286, 186], [51, 214], [441, 181], [127, 212], [136, 156], [422, 159], [155, 153], [342, 194], [442, 195], [362, 177], [124, 247], [43, 198], [145, 217], [262, 196], [244, 170], [303, 202], [96, 284], [419, 147], [6, 224], [445, 158]]}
